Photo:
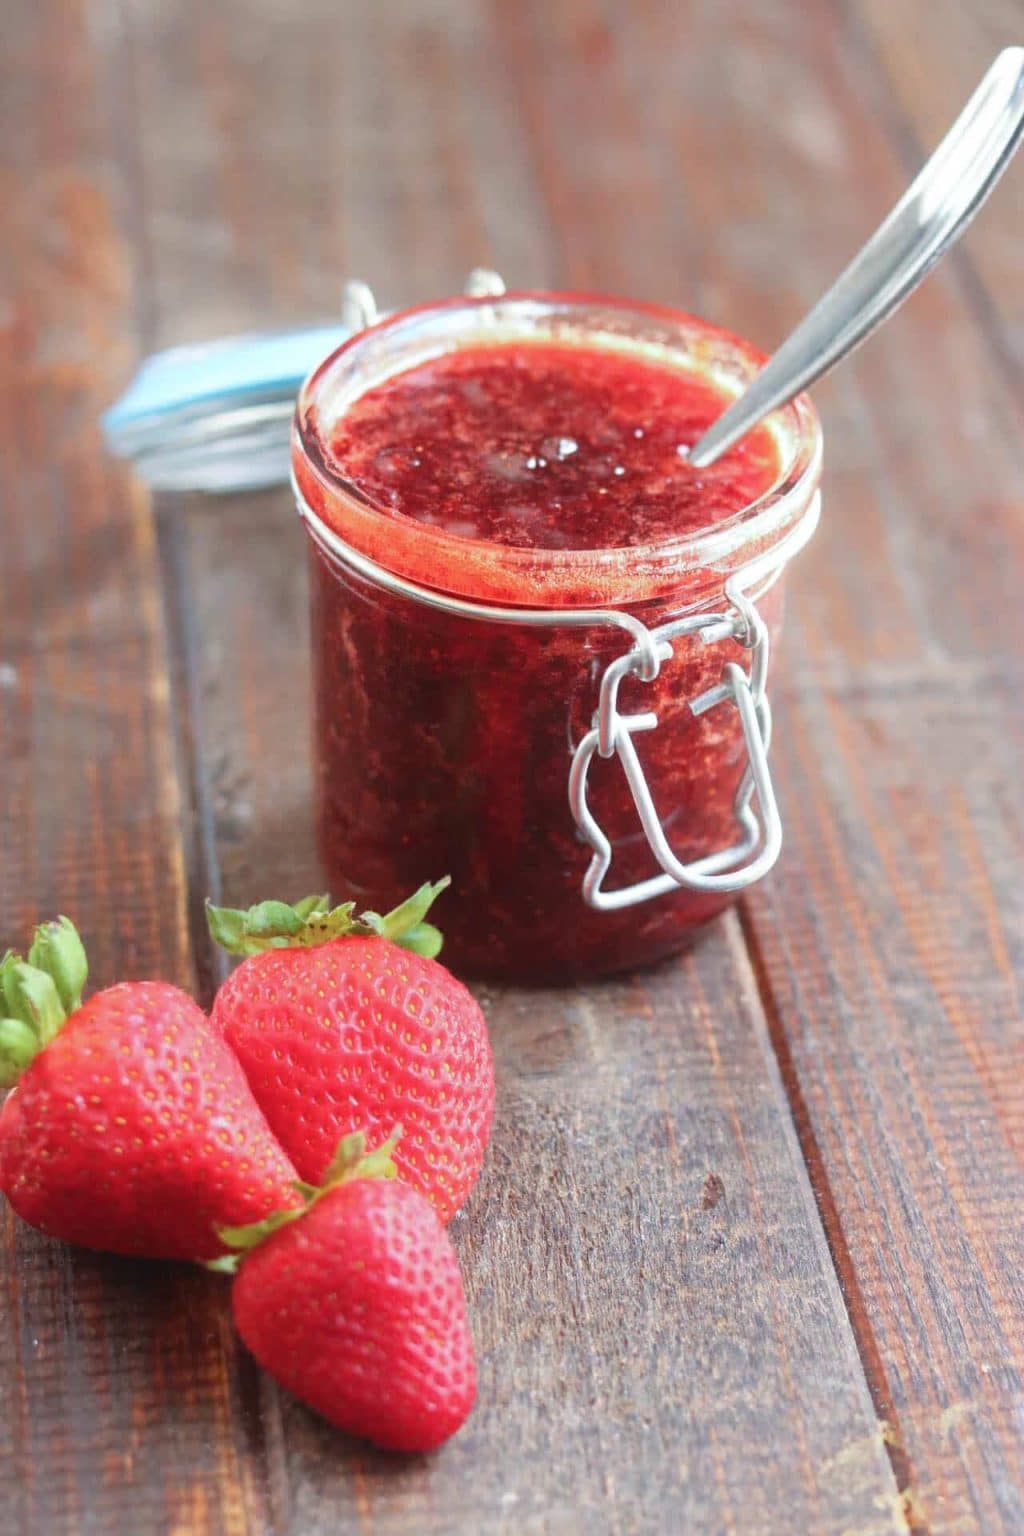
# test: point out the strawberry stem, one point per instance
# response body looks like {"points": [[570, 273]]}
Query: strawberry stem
{"points": [[276, 925]]}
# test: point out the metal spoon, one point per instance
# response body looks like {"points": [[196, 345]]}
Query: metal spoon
{"points": [[927, 220]]}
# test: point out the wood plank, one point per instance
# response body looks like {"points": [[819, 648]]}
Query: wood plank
{"points": [[648, 1114], [888, 945], [930, 53], [899, 1028], [123, 1402]]}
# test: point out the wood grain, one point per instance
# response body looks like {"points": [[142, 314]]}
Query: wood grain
{"points": [[645, 1407], [929, 54], [747, 1253], [898, 1024], [889, 945], [122, 1393]]}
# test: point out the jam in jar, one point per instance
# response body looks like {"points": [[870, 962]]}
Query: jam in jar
{"points": [[500, 501]]}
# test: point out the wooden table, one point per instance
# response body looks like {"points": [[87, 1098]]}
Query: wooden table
{"points": [[748, 1253]]}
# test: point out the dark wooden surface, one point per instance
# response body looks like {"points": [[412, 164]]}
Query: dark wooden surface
{"points": [[747, 1256]]}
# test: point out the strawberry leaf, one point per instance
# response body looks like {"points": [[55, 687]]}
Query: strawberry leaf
{"points": [[352, 1161], [346, 1159], [7, 964], [312, 921], [58, 950], [243, 1239], [267, 925], [249, 1236], [405, 924], [227, 1264], [424, 940], [379, 1164], [32, 997], [18, 1045], [226, 926]]}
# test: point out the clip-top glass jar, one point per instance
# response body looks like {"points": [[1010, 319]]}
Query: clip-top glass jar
{"points": [[577, 736]]}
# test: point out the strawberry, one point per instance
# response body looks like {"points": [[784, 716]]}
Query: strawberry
{"points": [[130, 1125], [355, 1305], [344, 1023]]}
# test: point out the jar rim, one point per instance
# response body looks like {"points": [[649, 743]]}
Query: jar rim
{"points": [[542, 577]]}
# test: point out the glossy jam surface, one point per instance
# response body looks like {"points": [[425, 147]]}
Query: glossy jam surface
{"points": [[545, 445]]}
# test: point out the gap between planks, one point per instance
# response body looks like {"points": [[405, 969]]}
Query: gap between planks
{"points": [[831, 1224]]}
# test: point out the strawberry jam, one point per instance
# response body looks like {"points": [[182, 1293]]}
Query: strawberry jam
{"points": [[527, 452], [542, 446]]}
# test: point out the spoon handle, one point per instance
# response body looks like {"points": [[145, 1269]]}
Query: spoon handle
{"points": [[931, 214]]}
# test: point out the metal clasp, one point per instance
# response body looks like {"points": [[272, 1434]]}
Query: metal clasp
{"points": [[759, 830]]}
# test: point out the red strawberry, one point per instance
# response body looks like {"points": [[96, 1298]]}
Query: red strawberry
{"points": [[356, 1306], [339, 1031], [131, 1127]]}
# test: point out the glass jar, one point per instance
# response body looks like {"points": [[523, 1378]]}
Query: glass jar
{"points": [[578, 737]]}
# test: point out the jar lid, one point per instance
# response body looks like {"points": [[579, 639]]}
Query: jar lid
{"points": [[217, 416]]}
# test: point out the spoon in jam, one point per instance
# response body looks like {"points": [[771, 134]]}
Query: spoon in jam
{"points": [[928, 219]]}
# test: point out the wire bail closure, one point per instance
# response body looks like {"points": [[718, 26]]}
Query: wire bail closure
{"points": [[759, 842], [759, 827]]}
